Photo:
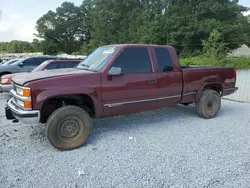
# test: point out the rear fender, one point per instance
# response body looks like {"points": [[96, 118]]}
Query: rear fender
{"points": [[215, 86]]}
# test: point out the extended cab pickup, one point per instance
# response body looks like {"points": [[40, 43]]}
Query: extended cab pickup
{"points": [[114, 80]]}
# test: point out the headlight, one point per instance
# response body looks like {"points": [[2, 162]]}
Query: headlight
{"points": [[22, 97], [25, 92]]}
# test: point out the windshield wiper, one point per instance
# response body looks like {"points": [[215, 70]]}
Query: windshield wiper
{"points": [[84, 65]]}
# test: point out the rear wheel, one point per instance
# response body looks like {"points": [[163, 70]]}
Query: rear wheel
{"points": [[209, 104], [68, 127]]}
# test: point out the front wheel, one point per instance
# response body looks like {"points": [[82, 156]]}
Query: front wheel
{"points": [[209, 104], [68, 127]]}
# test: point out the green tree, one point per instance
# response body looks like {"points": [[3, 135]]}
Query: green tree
{"points": [[214, 47], [65, 27], [183, 24], [37, 45], [189, 22], [49, 48]]}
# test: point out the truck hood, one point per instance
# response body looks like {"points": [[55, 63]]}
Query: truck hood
{"points": [[25, 78], [8, 76]]}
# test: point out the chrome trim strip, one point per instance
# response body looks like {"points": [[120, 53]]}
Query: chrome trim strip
{"points": [[191, 93], [14, 94], [170, 97], [140, 101], [130, 102]]}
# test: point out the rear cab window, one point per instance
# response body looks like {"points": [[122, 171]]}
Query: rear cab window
{"points": [[69, 64], [134, 60], [164, 60], [53, 65], [41, 66]]}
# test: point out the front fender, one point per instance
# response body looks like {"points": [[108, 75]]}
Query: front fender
{"points": [[40, 96]]}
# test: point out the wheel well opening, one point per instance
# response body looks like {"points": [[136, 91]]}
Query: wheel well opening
{"points": [[83, 101], [216, 87]]}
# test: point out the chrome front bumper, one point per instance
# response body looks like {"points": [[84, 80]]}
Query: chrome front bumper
{"points": [[25, 116], [5, 88]]}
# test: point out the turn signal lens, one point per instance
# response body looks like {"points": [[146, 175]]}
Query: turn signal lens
{"points": [[26, 92], [27, 104]]}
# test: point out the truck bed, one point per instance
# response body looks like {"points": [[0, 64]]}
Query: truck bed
{"points": [[194, 78], [205, 67]]}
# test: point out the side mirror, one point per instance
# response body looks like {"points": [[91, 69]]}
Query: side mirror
{"points": [[115, 71], [21, 64]]}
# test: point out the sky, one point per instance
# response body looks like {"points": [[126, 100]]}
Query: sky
{"points": [[18, 17]]}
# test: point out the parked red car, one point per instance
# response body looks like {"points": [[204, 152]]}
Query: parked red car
{"points": [[114, 80], [6, 80]]}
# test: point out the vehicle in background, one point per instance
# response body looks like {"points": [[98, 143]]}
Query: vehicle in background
{"points": [[11, 61], [114, 80], [6, 80], [24, 65]]}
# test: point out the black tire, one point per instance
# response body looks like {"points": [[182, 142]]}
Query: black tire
{"points": [[209, 104], [68, 127]]}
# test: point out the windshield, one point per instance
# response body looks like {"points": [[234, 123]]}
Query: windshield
{"points": [[10, 62], [17, 62], [98, 59]]}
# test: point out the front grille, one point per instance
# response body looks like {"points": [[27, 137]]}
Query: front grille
{"points": [[15, 103], [14, 87], [17, 107]]}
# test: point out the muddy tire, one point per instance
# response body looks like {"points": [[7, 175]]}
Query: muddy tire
{"points": [[68, 127], [209, 104]]}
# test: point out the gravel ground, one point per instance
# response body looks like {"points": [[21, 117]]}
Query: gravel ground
{"points": [[166, 148]]}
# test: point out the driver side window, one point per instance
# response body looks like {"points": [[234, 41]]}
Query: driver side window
{"points": [[29, 62], [134, 61]]}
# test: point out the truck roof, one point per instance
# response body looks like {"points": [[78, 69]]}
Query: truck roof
{"points": [[65, 60], [140, 45]]}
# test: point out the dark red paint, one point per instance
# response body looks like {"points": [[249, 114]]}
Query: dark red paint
{"points": [[183, 85]]}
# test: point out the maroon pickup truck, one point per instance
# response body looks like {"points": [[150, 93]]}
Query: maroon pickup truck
{"points": [[114, 80]]}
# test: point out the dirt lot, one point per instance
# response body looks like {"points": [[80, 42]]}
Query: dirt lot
{"points": [[166, 148]]}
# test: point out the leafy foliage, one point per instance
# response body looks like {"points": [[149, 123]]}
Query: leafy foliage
{"points": [[20, 46], [65, 28], [180, 23], [214, 47], [238, 63], [191, 26]]}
